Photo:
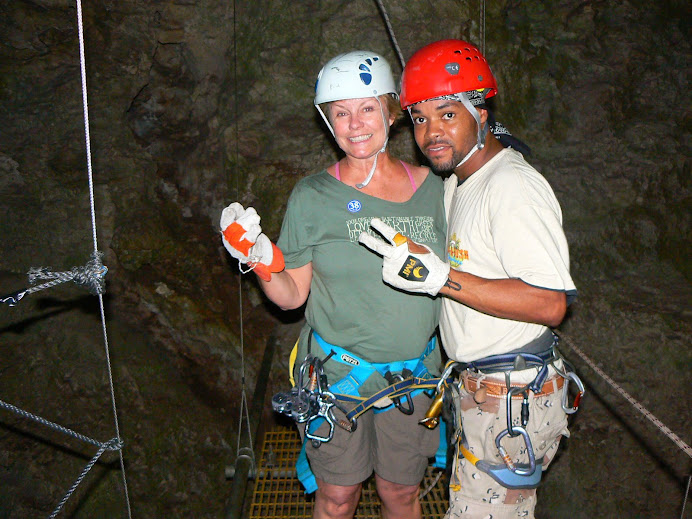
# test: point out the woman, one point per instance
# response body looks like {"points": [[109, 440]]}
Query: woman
{"points": [[348, 306]]}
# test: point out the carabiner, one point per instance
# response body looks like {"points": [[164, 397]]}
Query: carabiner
{"points": [[514, 390], [446, 373], [572, 376], [400, 377], [13, 298], [327, 416], [508, 460]]}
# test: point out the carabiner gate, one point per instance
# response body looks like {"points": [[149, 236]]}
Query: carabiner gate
{"points": [[508, 460], [572, 376]]}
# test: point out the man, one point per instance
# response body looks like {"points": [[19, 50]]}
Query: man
{"points": [[505, 284]]}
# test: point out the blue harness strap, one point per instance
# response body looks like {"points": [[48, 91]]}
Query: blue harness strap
{"points": [[362, 369]]}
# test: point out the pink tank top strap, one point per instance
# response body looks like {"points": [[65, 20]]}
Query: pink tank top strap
{"points": [[410, 176], [337, 174]]}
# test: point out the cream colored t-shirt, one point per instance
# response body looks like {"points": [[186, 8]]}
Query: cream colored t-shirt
{"points": [[502, 222]]}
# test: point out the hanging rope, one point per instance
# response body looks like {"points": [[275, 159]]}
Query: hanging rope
{"points": [[661, 426], [391, 32], [82, 63], [92, 276], [481, 26], [241, 452]]}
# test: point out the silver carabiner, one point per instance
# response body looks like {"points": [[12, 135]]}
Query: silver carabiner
{"points": [[572, 376], [14, 298], [324, 412], [508, 460], [514, 390], [445, 374]]}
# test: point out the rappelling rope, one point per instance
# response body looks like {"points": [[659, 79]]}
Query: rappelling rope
{"points": [[661, 426], [391, 32], [481, 25], [671, 435], [241, 452], [82, 64]]}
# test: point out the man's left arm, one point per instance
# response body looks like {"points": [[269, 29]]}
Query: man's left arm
{"points": [[412, 267], [506, 298]]}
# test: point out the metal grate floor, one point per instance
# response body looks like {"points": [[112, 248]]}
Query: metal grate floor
{"points": [[278, 494]]}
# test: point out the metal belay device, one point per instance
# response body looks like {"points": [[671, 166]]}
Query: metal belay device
{"points": [[310, 401]]}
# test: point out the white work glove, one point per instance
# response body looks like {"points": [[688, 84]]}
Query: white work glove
{"points": [[244, 240], [407, 265]]}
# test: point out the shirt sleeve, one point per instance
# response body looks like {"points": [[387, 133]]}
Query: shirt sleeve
{"points": [[294, 238], [528, 237]]}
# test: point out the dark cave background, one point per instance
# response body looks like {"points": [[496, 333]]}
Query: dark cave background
{"points": [[194, 104]]}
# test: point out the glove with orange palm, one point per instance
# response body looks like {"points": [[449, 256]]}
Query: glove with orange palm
{"points": [[244, 240]]}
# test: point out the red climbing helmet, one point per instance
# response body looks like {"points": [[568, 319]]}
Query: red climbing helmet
{"points": [[447, 67]]}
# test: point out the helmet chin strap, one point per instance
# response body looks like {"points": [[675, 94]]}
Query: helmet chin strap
{"points": [[482, 130], [384, 147]]}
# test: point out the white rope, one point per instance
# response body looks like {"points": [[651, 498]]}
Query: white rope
{"points": [[244, 411], [82, 63], [671, 435], [425, 491]]}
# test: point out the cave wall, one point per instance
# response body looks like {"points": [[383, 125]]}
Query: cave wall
{"points": [[197, 103]]}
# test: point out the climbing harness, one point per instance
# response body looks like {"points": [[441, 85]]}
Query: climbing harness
{"points": [[314, 401], [313, 397], [509, 473]]}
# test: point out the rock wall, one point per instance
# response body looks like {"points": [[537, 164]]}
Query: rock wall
{"points": [[196, 103]]}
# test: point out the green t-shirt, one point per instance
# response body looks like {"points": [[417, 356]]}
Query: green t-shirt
{"points": [[349, 305]]}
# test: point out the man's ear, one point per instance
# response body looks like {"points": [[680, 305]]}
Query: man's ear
{"points": [[484, 115]]}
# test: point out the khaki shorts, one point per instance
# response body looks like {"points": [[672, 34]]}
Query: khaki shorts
{"points": [[390, 443]]}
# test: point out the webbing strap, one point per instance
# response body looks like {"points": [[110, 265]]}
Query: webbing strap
{"points": [[304, 472], [412, 386], [505, 362], [362, 369]]}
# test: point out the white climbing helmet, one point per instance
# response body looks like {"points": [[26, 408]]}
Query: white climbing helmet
{"points": [[355, 75]]}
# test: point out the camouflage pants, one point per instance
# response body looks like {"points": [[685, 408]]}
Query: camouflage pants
{"points": [[473, 493]]}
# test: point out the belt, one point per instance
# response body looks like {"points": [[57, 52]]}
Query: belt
{"points": [[499, 389]]}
